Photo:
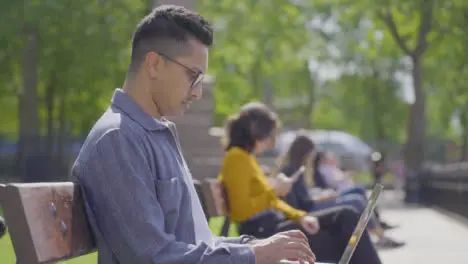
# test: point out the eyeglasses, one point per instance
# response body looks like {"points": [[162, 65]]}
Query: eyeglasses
{"points": [[196, 76]]}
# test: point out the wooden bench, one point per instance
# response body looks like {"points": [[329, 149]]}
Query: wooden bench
{"points": [[46, 221], [215, 197], [201, 196]]}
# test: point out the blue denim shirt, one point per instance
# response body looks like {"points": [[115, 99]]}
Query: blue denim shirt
{"points": [[138, 205]]}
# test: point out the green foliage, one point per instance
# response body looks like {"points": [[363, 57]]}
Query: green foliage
{"points": [[84, 51], [85, 46], [256, 41]]}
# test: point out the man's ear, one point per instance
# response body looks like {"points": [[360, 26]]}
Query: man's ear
{"points": [[153, 64]]}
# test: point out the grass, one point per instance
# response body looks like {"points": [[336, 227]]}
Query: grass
{"points": [[7, 255]]}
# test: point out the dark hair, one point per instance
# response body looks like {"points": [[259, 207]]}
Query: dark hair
{"points": [[321, 155], [255, 121], [318, 177], [167, 29], [300, 147]]}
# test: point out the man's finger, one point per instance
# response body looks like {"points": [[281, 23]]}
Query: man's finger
{"points": [[296, 233], [300, 245], [304, 256]]}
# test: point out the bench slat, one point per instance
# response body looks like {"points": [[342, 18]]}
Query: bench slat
{"points": [[215, 197], [47, 222]]}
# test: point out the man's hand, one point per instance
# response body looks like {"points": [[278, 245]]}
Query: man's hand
{"points": [[290, 245], [310, 224]]}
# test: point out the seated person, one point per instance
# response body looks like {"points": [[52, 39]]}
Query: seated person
{"points": [[255, 206], [301, 153], [328, 175]]}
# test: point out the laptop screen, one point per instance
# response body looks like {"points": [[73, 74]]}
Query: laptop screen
{"points": [[361, 225], [358, 231]]}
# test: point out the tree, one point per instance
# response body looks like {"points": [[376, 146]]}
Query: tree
{"points": [[413, 29], [260, 48], [414, 152], [449, 80], [74, 53]]}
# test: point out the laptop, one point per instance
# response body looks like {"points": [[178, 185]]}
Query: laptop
{"points": [[358, 231]]}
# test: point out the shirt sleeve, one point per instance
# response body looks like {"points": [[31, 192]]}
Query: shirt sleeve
{"points": [[118, 185], [231, 240], [291, 212]]}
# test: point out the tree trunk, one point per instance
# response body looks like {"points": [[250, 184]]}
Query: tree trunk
{"points": [[309, 108], [50, 111], [416, 129], [61, 157], [29, 146], [414, 151], [375, 101], [152, 4], [268, 93], [464, 139]]}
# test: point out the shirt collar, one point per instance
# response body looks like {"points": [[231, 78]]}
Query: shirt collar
{"points": [[125, 103]]}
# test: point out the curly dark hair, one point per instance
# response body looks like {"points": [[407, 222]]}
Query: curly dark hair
{"points": [[167, 29], [254, 122]]}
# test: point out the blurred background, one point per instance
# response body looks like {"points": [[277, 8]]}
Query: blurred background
{"points": [[361, 77]]}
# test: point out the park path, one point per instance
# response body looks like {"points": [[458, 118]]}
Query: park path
{"points": [[433, 236]]}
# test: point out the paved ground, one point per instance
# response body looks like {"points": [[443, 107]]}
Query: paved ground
{"points": [[432, 236]]}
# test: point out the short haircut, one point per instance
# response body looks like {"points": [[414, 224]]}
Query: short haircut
{"points": [[167, 29]]}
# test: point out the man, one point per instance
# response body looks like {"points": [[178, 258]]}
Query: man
{"points": [[138, 192]]}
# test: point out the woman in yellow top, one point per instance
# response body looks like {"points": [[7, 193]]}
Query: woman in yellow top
{"points": [[256, 207]]}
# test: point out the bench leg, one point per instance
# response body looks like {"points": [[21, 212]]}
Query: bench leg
{"points": [[226, 225]]}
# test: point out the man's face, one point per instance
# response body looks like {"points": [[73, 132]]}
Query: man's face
{"points": [[177, 80]]}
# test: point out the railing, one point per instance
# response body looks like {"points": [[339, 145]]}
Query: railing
{"points": [[446, 187]]}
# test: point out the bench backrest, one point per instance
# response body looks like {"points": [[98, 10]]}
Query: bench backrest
{"points": [[201, 196], [46, 221], [215, 198]]}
